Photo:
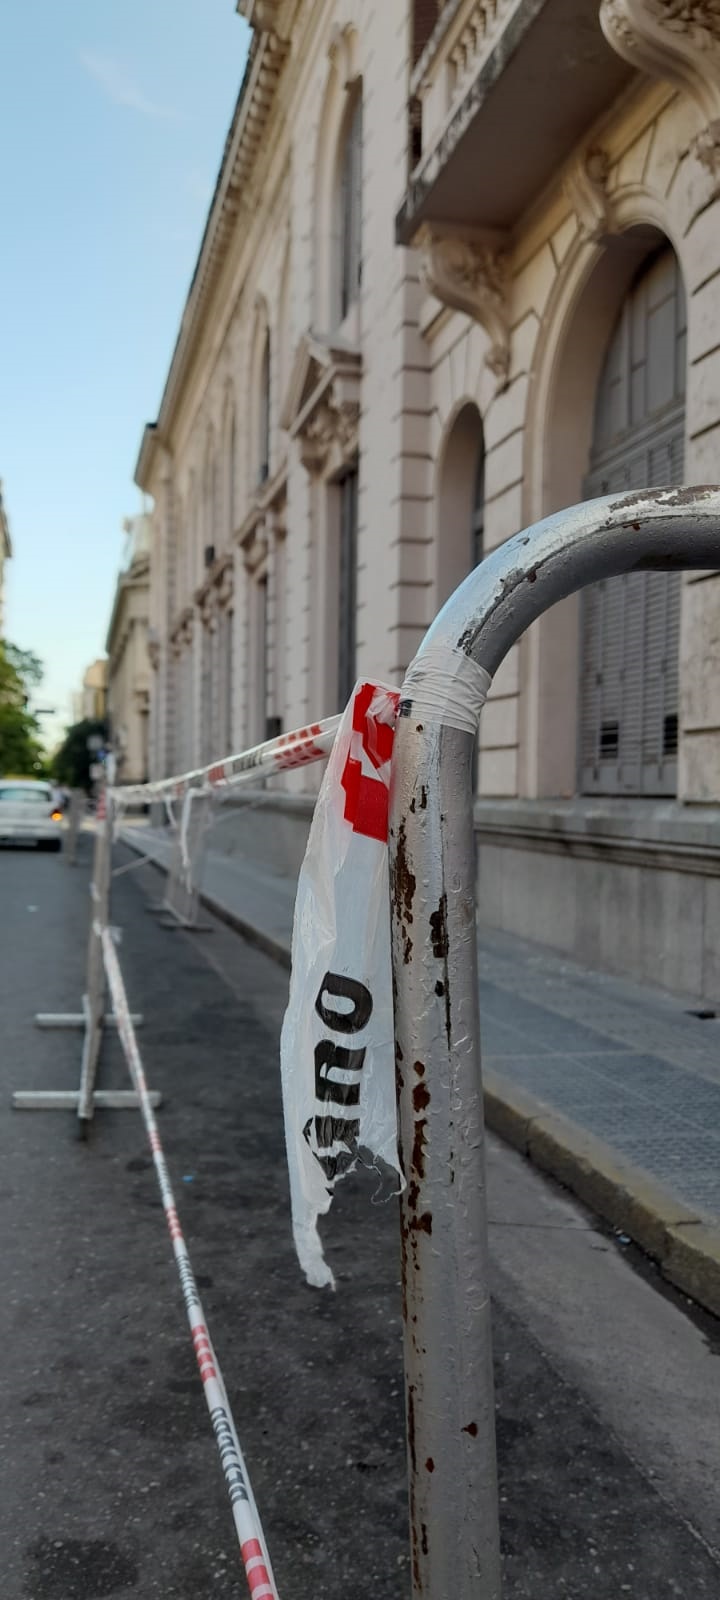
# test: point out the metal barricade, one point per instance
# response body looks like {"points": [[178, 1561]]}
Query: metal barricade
{"points": [[181, 901], [92, 1019], [76, 812], [447, 1336]]}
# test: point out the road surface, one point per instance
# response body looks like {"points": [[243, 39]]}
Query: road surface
{"points": [[608, 1384]]}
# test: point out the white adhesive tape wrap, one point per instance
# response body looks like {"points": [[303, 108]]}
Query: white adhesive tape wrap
{"points": [[183, 833], [448, 686]]}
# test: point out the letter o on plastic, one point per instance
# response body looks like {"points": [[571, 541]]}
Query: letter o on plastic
{"points": [[334, 983]]}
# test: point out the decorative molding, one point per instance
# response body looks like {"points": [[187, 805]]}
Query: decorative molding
{"points": [[266, 16], [233, 200], [268, 504], [678, 40], [585, 185], [322, 406], [707, 148], [255, 548], [484, 21], [561, 829], [331, 424], [470, 274], [342, 52], [218, 584], [181, 633]]}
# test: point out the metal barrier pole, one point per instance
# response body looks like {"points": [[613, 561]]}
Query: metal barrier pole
{"points": [[77, 805], [94, 997], [447, 1337], [181, 903]]}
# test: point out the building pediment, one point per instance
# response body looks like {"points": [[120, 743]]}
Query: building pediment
{"points": [[319, 365], [322, 405]]}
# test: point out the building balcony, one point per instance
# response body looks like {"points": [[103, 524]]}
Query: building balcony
{"points": [[499, 97]]}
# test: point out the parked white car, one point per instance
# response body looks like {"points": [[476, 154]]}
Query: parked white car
{"points": [[28, 814]]}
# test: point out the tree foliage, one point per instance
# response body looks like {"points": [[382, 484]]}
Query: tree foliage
{"points": [[21, 753], [71, 763]]}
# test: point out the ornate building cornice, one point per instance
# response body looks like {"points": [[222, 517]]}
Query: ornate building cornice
{"points": [[233, 196], [470, 274], [678, 40], [267, 16]]}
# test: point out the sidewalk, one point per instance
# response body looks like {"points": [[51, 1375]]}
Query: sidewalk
{"points": [[610, 1086]]}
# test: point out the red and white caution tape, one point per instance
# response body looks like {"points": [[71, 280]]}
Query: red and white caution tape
{"points": [[245, 1513], [294, 749]]}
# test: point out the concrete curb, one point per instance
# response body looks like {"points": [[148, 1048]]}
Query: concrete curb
{"points": [[684, 1243], [254, 935]]}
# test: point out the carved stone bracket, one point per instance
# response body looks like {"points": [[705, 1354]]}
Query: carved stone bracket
{"points": [[255, 547], [226, 582], [331, 424], [471, 275], [181, 636], [678, 40], [322, 406], [585, 185]]}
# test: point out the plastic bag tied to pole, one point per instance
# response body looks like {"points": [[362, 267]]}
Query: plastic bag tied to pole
{"points": [[337, 1044]]}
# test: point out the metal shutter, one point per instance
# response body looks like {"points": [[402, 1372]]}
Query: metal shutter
{"points": [[631, 624]]}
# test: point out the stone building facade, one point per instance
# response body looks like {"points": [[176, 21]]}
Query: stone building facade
{"points": [[128, 653], [90, 702], [462, 268]]}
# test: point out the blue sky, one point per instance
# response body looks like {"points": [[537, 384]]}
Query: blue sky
{"points": [[113, 116]]}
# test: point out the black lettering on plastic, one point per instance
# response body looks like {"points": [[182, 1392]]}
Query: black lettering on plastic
{"points": [[330, 1058], [331, 1132], [344, 989]]}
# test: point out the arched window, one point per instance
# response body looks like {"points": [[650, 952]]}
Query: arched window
{"points": [[631, 624], [264, 413], [350, 220], [461, 502]]}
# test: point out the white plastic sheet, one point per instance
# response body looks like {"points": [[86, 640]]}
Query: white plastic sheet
{"points": [[337, 1050]]}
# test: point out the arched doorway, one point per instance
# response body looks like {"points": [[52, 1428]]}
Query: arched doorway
{"points": [[461, 502], [630, 625]]}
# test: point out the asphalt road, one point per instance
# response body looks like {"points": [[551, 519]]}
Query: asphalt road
{"points": [[608, 1385]]}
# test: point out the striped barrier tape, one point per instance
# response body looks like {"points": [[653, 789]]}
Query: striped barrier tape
{"points": [[295, 749], [251, 1539]]}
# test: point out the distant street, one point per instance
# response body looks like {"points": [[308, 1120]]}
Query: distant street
{"points": [[608, 1411]]}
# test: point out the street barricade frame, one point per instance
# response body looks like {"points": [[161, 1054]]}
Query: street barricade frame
{"points": [[452, 1475], [447, 1335]]}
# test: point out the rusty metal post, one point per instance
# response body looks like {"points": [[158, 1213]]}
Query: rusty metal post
{"points": [[94, 996], [447, 1336]]}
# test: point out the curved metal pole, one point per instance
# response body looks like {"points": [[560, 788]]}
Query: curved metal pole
{"points": [[448, 1353]]}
